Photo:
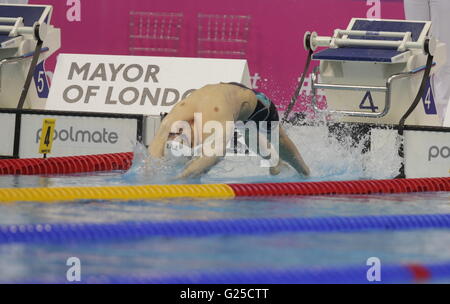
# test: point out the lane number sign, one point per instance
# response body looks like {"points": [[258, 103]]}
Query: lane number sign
{"points": [[46, 142]]}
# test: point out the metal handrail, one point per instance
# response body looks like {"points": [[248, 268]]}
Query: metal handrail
{"points": [[387, 89], [17, 59]]}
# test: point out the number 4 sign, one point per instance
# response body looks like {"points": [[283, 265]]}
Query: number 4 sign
{"points": [[371, 106], [48, 129], [428, 99]]}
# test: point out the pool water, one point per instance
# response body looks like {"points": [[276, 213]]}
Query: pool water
{"points": [[178, 256]]}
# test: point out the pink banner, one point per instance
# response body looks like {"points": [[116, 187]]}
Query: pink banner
{"points": [[268, 33]]}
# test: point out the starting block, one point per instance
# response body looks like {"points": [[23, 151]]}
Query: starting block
{"points": [[25, 34], [371, 72]]}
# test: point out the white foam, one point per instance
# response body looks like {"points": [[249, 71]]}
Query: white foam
{"points": [[328, 157]]}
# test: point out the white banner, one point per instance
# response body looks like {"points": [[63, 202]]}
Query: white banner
{"points": [[79, 135], [7, 124], [135, 85], [427, 154], [447, 116]]}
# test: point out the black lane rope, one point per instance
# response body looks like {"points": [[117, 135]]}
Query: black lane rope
{"points": [[299, 87], [401, 125], [25, 89]]}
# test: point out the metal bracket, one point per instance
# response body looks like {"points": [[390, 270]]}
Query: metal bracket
{"points": [[15, 60], [17, 28], [386, 89]]}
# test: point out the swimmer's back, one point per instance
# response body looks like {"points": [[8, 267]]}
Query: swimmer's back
{"points": [[221, 96]]}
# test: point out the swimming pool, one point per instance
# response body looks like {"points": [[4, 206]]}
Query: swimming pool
{"points": [[111, 252], [165, 257]]}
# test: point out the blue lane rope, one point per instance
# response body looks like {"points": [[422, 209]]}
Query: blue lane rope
{"points": [[62, 233], [349, 275]]}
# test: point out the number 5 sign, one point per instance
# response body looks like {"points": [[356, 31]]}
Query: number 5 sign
{"points": [[40, 80], [48, 129]]}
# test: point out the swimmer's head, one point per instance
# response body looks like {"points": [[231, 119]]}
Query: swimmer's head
{"points": [[182, 131], [174, 136], [176, 148]]}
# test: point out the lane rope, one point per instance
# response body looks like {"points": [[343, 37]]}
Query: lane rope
{"points": [[402, 273], [63, 233], [153, 192], [66, 165], [222, 191]]}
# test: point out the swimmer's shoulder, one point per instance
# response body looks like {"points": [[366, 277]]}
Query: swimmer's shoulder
{"points": [[212, 85], [225, 89], [207, 88]]}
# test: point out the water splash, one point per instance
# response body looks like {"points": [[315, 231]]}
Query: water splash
{"points": [[148, 170], [330, 156], [337, 156]]}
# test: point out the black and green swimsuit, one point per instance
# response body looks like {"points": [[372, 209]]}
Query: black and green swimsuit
{"points": [[265, 109]]}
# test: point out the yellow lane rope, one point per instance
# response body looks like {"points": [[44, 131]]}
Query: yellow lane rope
{"points": [[52, 195]]}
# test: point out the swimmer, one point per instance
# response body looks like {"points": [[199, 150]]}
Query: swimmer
{"points": [[227, 104]]}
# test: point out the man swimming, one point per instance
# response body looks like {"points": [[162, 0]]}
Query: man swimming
{"points": [[226, 104]]}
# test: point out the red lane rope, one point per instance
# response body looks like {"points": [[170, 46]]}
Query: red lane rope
{"points": [[343, 187], [123, 161], [419, 272], [66, 165]]}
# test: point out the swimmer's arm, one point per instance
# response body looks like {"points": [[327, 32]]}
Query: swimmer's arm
{"points": [[290, 154], [199, 166], [156, 148], [270, 154], [203, 163]]}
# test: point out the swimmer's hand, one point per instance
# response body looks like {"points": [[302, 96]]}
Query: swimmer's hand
{"points": [[278, 168], [198, 166]]}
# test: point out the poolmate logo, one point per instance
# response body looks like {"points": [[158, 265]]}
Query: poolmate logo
{"points": [[74, 135], [436, 152]]}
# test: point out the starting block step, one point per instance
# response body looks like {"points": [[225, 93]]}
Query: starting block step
{"points": [[361, 54], [371, 72]]}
